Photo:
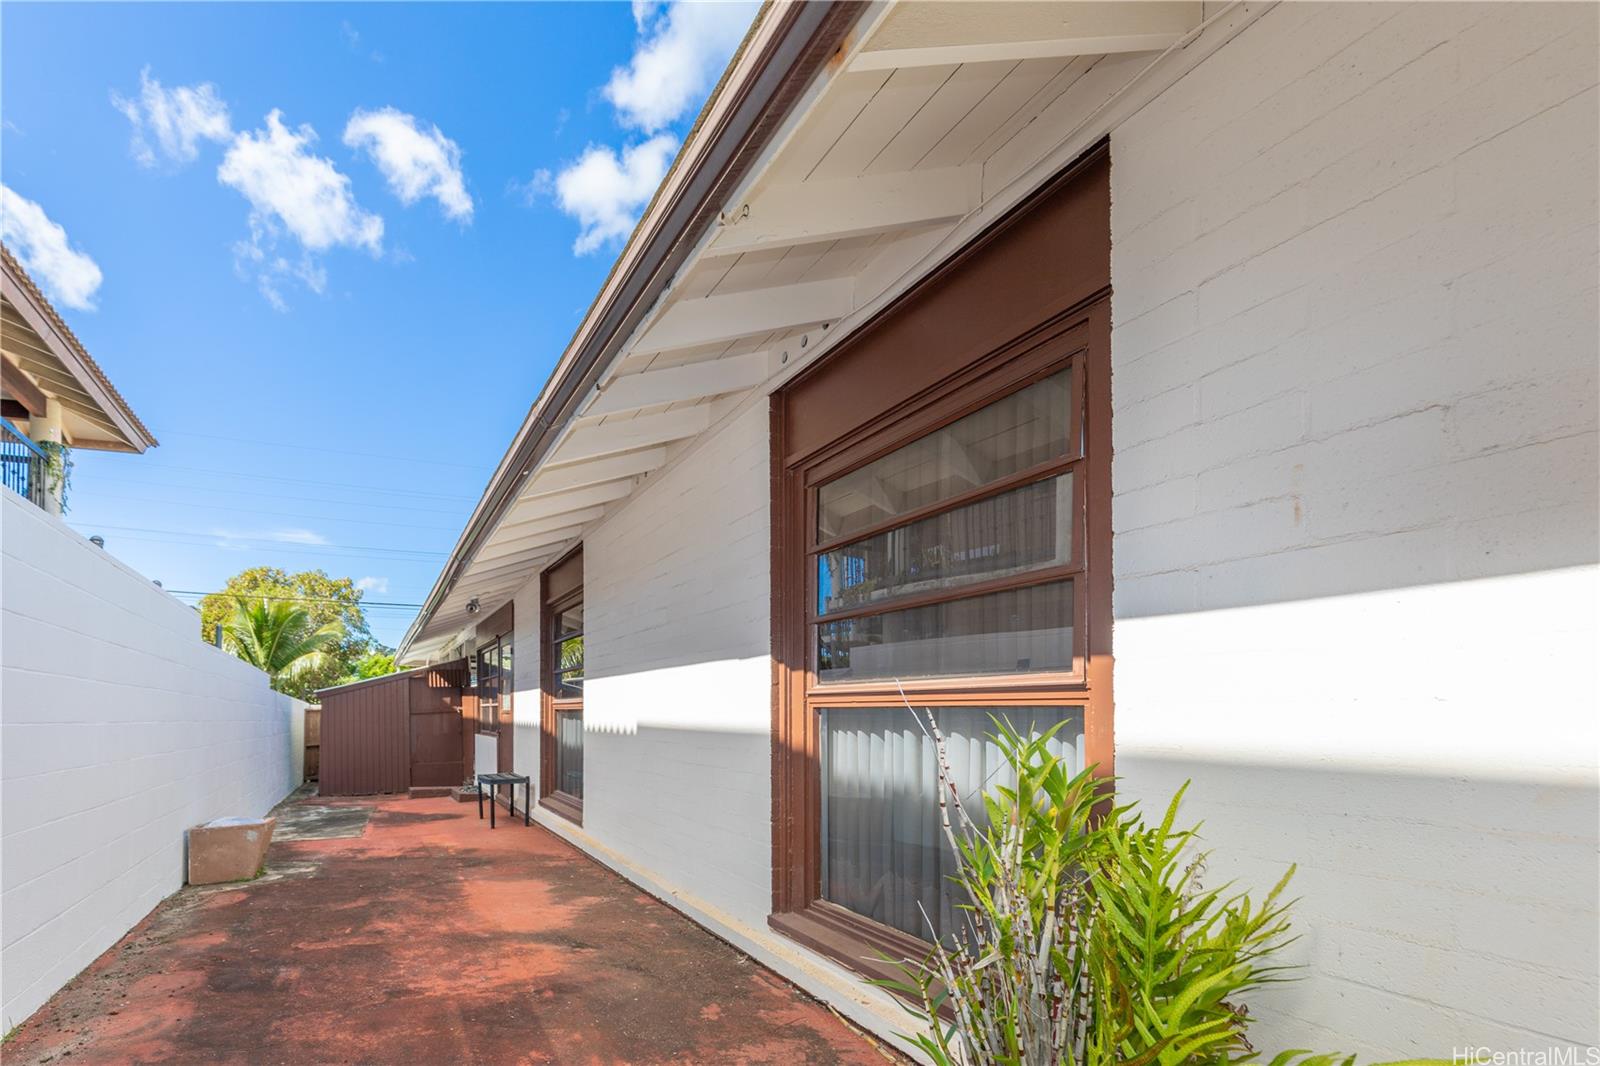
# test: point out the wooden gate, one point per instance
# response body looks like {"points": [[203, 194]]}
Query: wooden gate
{"points": [[392, 733], [313, 742]]}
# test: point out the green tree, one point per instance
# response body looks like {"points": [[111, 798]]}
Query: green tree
{"points": [[377, 664], [280, 639], [325, 599]]}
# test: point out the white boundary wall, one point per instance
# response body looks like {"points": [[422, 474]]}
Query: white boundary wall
{"points": [[119, 729], [1354, 378], [1354, 372]]}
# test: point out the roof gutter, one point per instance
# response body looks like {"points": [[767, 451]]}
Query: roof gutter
{"points": [[806, 37]]}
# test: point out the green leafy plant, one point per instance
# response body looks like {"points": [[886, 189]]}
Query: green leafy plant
{"points": [[57, 469], [1090, 937], [279, 638]]}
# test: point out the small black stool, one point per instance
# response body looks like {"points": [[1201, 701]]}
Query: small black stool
{"points": [[495, 780]]}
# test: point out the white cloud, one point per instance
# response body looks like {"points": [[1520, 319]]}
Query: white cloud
{"points": [[178, 118], [288, 185], [380, 585], [41, 245], [682, 49], [417, 162], [292, 190], [278, 536], [605, 192]]}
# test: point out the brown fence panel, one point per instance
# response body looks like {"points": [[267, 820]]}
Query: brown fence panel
{"points": [[435, 708], [366, 738], [313, 741]]}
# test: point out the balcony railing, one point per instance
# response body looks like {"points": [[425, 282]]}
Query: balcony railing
{"points": [[22, 464]]}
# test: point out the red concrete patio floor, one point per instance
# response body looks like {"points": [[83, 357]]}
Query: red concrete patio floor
{"points": [[429, 939]]}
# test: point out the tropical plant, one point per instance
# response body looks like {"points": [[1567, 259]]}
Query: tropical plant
{"points": [[1090, 938], [57, 470], [280, 639], [325, 598], [377, 664]]}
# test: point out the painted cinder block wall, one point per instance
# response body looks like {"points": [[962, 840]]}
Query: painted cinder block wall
{"points": [[1354, 348], [119, 729], [1354, 421]]}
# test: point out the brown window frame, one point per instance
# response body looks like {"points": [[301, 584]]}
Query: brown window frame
{"points": [[1079, 339], [557, 592], [489, 719]]}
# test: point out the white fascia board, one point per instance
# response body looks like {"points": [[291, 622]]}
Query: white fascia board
{"points": [[713, 319], [609, 438], [695, 381], [815, 211]]}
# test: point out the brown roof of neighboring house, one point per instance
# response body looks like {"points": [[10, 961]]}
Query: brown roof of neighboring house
{"points": [[43, 305]]}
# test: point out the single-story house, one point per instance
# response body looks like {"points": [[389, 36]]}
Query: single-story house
{"points": [[1216, 378]]}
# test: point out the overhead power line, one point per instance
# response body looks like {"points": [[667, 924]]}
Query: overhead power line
{"points": [[324, 517], [299, 599], [165, 432], [304, 481]]}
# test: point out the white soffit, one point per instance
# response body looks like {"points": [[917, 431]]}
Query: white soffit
{"points": [[935, 122]]}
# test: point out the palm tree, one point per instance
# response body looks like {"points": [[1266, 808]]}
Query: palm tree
{"points": [[279, 638]]}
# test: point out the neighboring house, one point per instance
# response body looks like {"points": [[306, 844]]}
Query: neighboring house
{"points": [[54, 394], [120, 728], [965, 343]]}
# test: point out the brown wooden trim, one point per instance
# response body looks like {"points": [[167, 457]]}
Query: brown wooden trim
{"points": [[1098, 731], [560, 586], [21, 386], [851, 940], [980, 363], [999, 487], [1048, 575], [566, 805]]}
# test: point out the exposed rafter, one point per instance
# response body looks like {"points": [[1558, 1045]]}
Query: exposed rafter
{"points": [[609, 438], [511, 539], [543, 508], [816, 211], [942, 33], [712, 319], [579, 475], [674, 384]]}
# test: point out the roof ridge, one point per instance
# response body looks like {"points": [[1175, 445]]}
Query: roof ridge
{"points": [[14, 264]]}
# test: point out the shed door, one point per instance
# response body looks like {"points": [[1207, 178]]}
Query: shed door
{"points": [[435, 713]]}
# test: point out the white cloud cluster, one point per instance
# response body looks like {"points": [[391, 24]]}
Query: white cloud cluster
{"points": [[683, 47], [294, 193], [179, 119], [68, 275], [417, 162], [380, 585], [286, 183], [605, 190]]}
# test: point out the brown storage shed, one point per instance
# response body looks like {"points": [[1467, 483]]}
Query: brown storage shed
{"points": [[393, 733]]}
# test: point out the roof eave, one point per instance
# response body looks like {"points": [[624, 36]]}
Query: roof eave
{"points": [[786, 46]]}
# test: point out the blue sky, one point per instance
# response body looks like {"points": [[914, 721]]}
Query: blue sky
{"points": [[364, 232]]}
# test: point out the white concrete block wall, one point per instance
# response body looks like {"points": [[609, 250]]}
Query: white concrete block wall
{"points": [[677, 703], [1354, 378], [119, 729], [677, 744]]}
